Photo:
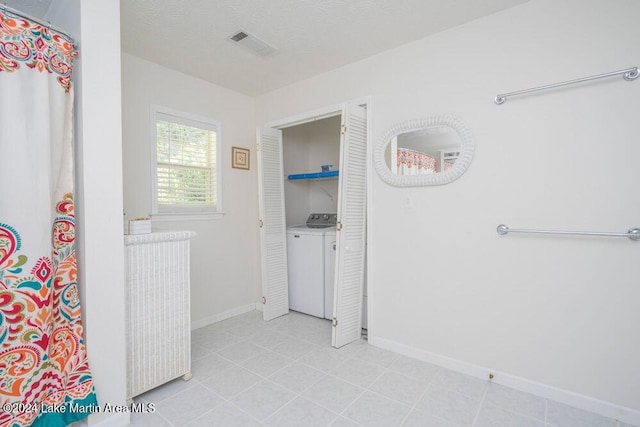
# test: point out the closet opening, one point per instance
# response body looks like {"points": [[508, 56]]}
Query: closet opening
{"points": [[312, 179]]}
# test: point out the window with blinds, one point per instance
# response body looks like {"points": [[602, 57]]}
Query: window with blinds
{"points": [[186, 164]]}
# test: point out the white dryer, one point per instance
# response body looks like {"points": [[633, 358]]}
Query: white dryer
{"points": [[310, 258]]}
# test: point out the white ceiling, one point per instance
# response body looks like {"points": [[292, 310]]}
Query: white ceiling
{"points": [[311, 36]]}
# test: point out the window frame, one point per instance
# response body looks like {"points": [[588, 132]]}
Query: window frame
{"points": [[183, 212]]}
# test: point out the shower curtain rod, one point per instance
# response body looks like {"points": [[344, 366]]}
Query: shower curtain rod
{"points": [[47, 24]]}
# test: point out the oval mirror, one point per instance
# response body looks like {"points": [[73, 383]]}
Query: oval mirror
{"points": [[431, 151]]}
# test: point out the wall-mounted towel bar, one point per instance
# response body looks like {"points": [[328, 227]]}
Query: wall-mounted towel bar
{"points": [[629, 74], [633, 233]]}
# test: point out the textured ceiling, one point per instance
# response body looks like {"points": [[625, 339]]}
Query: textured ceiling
{"points": [[311, 36]]}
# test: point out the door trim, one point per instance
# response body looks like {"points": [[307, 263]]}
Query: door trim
{"points": [[308, 117], [331, 111]]}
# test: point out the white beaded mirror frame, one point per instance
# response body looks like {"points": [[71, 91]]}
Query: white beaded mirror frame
{"points": [[439, 178]]}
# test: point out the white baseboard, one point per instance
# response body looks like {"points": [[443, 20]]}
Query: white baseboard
{"points": [[222, 316], [580, 401]]}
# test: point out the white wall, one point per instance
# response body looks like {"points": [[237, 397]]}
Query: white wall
{"points": [[306, 148], [324, 149], [225, 268], [295, 160], [98, 145], [562, 311]]}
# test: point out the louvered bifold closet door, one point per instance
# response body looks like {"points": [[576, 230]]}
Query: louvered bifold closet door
{"points": [[350, 256], [273, 237]]}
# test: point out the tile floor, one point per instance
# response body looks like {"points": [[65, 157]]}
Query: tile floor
{"points": [[247, 372]]}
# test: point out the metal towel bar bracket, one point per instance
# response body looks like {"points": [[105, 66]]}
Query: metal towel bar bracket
{"points": [[632, 234]]}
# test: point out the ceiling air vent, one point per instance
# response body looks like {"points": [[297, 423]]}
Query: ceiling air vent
{"points": [[252, 43], [239, 36]]}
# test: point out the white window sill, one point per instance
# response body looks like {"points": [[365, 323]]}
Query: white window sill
{"points": [[186, 216]]}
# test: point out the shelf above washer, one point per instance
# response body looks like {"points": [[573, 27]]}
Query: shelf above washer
{"points": [[314, 175]]}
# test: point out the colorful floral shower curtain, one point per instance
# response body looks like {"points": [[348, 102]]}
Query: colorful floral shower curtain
{"points": [[44, 372]]}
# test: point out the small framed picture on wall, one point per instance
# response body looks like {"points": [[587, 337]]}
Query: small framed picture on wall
{"points": [[240, 158]]}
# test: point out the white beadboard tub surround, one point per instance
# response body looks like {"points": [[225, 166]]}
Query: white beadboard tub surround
{"points": [[157, 308]]}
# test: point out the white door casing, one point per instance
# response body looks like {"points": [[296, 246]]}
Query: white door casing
{"points": [[273, 237], [350, 237]]}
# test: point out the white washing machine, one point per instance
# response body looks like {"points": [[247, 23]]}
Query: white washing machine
{"points": [[311, 261]]}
